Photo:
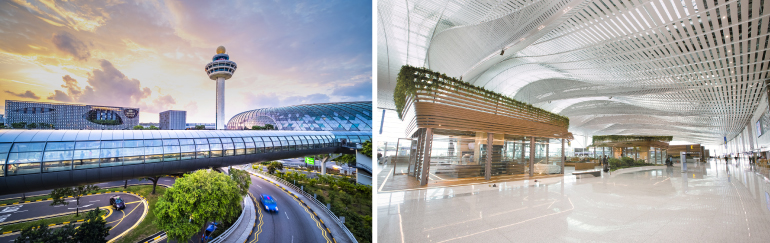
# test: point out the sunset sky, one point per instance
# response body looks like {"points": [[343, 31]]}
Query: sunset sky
{"points": [[151, 54]]}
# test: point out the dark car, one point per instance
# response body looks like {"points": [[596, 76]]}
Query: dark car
{"points": [[117, 203], [268, 202]]}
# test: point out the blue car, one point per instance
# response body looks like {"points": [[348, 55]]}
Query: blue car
{"points": [[268, 202]]}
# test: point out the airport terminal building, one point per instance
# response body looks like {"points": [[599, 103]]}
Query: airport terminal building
{"points": [[71, 116], [341, 116]]}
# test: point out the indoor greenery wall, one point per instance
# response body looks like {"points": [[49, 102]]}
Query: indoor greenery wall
{"points": [[621, 138], [410, 79]]}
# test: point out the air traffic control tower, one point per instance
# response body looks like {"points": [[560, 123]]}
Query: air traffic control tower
{"points": [[221, 69]]}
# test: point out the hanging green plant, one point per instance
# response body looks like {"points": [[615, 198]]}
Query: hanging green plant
{"points": [[601, 139], [411, 79]]}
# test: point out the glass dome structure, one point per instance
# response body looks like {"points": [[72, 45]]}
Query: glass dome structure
{"points": [[342, 116]]}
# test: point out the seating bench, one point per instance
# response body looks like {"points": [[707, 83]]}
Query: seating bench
{"points": [[594, 173]]}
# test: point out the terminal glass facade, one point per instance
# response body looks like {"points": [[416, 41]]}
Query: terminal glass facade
{"points": [[343, 116]]}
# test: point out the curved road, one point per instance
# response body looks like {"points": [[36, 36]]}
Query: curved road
{"points": [[292, 223], [168, 181], [120, 221]]}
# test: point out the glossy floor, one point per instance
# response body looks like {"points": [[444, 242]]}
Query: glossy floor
{"points": [[711, 202]]}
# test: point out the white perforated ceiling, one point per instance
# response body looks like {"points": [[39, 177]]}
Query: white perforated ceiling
{"points": [[687, 68]]}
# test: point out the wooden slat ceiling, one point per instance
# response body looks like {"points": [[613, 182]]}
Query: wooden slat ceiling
{"points": [[691, 69]]}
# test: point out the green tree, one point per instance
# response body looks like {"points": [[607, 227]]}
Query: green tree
{"points": [[60, 195], [346, 159], [93, 230], [200, 197], [269, 127], [42, 234], [153, 127], [200, 127], [242, 179], [32, 125], [154, 180], [366, 148], [138, 127], [18, 125], [273, 166], [255, 127]]}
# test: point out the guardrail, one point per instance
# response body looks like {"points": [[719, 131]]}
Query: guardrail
{"points": [[232, 228], [364, 166], [310, 198]]}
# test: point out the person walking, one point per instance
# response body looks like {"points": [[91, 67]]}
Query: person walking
{"points": [[605, 164]]}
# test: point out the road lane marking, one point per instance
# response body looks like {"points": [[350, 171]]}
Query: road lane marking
{"points": [[84, 206], [287, 215], [317, 223], [259, 227], [11, 209], [3, 217]]}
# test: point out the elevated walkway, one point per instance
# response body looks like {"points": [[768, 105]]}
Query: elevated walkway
{"points": [[45, 159]]}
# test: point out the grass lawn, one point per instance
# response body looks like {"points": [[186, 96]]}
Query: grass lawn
{"points": [[147, 226], [48, 221]]}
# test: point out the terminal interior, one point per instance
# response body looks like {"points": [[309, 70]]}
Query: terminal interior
{"points": [[666, 134]]}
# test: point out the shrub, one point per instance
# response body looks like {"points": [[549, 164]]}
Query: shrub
{"points": [[627, 161], [615, 163]]}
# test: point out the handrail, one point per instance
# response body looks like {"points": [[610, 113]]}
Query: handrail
{"points": [[310, 198], [232, 228]]}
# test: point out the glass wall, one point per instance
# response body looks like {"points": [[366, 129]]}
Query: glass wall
{"points": [[463, 154], [35, 157]]}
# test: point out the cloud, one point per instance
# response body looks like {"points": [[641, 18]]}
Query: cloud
{"points": [[109, 86], [27, 94], [360, 91], [58, 95], [71, 85], [256, 101], [66, 42], [191, 108], [162, 103]]}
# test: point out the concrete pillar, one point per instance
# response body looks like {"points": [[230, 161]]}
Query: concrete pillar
{"points": [[488, 166], [323, 165], [531, 156], [426, 160], [221, 104]]}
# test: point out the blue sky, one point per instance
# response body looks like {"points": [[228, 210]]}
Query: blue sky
{"points": [[151, 54]]}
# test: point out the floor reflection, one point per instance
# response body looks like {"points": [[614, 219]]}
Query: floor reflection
{"points": [[708, 202]]}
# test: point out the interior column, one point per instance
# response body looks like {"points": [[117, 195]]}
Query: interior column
{"points": [[426, 160], [531, 156], [488, 166], [563, 156]]}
